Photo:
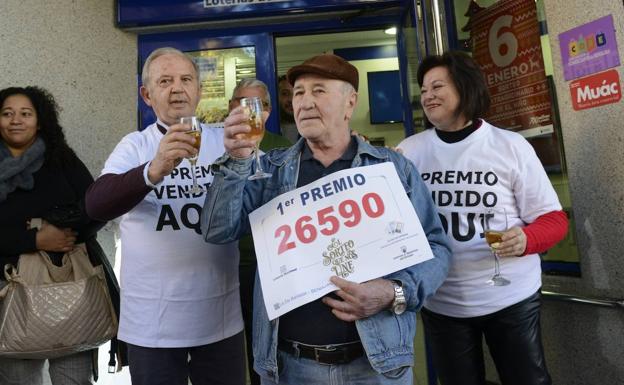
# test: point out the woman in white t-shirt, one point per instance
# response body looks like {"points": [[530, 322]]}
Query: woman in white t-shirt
{"points": [[470, 167]]}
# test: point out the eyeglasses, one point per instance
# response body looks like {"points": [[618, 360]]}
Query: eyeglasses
{"points": [[238, 99]]}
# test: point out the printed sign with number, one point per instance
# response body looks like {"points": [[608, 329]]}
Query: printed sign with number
{"points": [[357, 224], [507, 46]]}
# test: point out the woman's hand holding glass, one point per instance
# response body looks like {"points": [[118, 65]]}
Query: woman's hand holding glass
{"points": [[503, 242], [513, 243], [494, 228]]}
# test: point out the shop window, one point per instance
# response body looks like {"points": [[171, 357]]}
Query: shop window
{"points": [[219, 71], [384, 97]]}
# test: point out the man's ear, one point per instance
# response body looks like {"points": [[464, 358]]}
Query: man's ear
{"points": [[351, 103], [145, 95], [353, 99]]}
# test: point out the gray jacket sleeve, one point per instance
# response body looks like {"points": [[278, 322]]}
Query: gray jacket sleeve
{"points": [[224, 216]]}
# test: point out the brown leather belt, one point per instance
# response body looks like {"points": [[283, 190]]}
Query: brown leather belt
{"points": [[323, 354]]}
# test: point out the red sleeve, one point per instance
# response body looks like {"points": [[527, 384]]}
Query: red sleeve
{"points": [[545, 232], [113, 195]]}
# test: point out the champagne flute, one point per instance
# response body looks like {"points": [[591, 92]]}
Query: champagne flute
{"points": [[254, 109], [195, 131], [494, 225]]}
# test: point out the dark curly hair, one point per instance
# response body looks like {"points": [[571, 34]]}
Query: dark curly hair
{"points": [[474, 97], [50, 130]]}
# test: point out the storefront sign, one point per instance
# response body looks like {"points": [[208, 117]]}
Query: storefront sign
{"points": [[596, 90], [357, 224], [139, 13], [589, 48], [225, 3], [506, 44]]}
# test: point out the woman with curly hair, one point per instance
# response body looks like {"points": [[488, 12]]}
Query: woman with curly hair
{"points": [[39, 173]]}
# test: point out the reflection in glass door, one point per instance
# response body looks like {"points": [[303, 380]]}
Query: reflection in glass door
{"points": [[513, 107], [223, 61], [219, 71]]}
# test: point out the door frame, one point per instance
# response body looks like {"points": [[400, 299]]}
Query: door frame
{"points": [[262, 37]]}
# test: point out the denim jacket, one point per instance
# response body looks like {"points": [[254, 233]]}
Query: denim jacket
{"points": [[387, 338]]}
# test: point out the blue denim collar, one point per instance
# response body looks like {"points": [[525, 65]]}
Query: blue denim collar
{"points": [[363, 148]]}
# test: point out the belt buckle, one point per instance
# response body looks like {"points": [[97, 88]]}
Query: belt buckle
{"points": [[318, 350]]}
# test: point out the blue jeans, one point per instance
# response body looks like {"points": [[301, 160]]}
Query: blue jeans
{"points": [[296, 371]]}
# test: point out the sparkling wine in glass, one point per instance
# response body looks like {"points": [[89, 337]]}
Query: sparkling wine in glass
{"points": [[195, 131], [494, 225], [254, 109]]}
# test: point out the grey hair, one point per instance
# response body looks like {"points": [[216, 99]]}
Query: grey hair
{"points": [[348, 88], [161, 52], [252, 83]]}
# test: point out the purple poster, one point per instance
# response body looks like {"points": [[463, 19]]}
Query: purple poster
{"points": [[589, 48]]}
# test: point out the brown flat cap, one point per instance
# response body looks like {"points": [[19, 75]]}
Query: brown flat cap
{"points": [[328, 66]]}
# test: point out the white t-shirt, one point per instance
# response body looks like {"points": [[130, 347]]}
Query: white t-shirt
{"points": [[176, 289], [492, 167]]}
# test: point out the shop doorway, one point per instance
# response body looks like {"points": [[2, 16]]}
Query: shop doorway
{"points": [[373, 52]]}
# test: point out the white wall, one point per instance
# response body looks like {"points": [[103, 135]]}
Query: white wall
{"points": [[73, 49], [584, 343]]}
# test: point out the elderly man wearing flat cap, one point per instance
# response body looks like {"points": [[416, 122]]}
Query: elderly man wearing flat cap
{"points": [[362, 333]]}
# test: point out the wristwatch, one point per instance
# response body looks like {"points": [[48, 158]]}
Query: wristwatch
{"points": [[399, 304]]}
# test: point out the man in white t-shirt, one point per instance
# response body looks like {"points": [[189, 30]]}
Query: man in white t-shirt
{"points": [[179, 295]]}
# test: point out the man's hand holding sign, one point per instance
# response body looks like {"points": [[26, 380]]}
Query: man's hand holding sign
{"points": [[360, 300], [357, 224]]}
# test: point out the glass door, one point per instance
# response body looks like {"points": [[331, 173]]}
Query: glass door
{"points": [[223, 61], [524, 101], [411, 46], [411, 42]]}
